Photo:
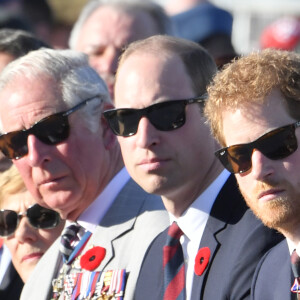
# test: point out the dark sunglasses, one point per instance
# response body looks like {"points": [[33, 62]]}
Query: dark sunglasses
{"points": [[51, 130], [38, 217], [164, 116], [276, 144]]}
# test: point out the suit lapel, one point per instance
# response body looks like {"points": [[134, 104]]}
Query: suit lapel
{"points": [[119, 219], [220, 214]]}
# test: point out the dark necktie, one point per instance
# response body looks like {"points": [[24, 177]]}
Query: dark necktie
{"points": [[295, 261], [68, 236], [173, 264]]}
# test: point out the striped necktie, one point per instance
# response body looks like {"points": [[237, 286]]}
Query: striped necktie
{"points": [[295, 261], [68, 236], [173, 265]]}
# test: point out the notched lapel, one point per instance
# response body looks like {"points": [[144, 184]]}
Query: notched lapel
{"points": [[119, 219], [220, 216]]}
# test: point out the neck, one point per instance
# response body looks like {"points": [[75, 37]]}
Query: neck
{"points": [[179, 199]]}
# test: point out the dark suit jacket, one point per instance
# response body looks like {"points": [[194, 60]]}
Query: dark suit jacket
{"points": [[236, 239], [11, 285], [273, 277]]}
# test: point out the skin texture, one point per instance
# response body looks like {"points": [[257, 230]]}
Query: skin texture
{"points": [[27, 244], [5, 59], [58, 176], [104, 35], [271, 187], [156, 159]]}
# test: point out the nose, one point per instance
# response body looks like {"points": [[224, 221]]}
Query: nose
{"points": [[262, 167], [38, 152], [25, 232], [147, 134]]}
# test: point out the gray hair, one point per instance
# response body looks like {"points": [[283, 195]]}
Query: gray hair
{"points": [[76, 80], [155, 11]]}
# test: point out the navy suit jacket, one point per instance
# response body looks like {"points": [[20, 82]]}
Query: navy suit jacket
{"points": [[273, 277], [11, 285], [237, 240]]}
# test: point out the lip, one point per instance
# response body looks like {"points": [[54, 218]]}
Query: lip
{"points": [[151, 164], [32, 256], [269, 195], [50, 180]]}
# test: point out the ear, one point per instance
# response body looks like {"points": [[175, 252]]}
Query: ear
{"points": [[109, 138]]}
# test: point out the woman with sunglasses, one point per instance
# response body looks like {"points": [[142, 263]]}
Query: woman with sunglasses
{"points": [[27, 228]]}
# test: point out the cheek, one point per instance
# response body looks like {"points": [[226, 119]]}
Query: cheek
{"points": [[11, 244]]}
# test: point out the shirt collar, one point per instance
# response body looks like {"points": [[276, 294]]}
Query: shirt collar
{"points": [[93, 215], [198, 212]]}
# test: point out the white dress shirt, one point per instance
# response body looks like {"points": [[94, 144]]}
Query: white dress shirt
{"points": [[193, 221], [93, 215]]}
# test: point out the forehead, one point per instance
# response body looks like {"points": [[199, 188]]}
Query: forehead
{"points": [[24, 101], [146, 78], [251, 121], [110, 25], [18, 201]]}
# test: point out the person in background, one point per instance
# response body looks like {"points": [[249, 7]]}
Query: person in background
{"points": [[51, 104], [168, 149], [15, 43], [209, 26], [254, 112], [27, 228], [104, 29]]}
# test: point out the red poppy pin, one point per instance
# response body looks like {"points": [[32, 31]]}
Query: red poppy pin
{"points": [[201, 260], [92, 258]]}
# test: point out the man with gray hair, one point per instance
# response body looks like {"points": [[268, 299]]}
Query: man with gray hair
{"points": [[51, 113], [103, 29]]}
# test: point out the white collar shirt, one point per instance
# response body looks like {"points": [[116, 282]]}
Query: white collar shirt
{"points": [[193, 222], [93, 215]]}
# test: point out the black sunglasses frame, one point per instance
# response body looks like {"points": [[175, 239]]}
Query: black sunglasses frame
{"points": [[112, 117], [227, 159], [28, 213], [61, 134]]}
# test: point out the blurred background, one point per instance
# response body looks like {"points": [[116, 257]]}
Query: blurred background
{"points": [[52, 19]]}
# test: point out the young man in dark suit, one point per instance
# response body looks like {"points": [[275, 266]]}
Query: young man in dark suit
{"points": [[168, 150], [254, 111]]}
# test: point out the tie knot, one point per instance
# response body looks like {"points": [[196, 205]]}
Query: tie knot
{"points": [[295, 261], [68, 236], [174, 231], [71, 230]]}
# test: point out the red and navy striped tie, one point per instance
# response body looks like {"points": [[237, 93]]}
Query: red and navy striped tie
{"points": [[173, 264]]}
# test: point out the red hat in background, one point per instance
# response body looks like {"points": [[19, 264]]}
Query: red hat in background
{"points": [[282, 34]]}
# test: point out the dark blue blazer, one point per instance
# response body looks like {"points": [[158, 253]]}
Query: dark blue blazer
{"points": [[11, 285], [237, 240], [273, 277]]}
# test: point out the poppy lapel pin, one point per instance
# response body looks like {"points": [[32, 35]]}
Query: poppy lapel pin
{"points": [[201, 260], [92, 258]]}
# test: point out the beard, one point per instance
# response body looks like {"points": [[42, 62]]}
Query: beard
{"points": [[280, 213]]}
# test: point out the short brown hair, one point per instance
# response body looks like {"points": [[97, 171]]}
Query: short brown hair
{"points": [[249, 80], [199, 64]]}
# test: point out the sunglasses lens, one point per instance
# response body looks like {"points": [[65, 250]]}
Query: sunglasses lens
{"points": [[8, 222], [279, 143], [239, 158], [52, 130], [123, 122], [167, 116], [41, 217], [14, 144]]}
